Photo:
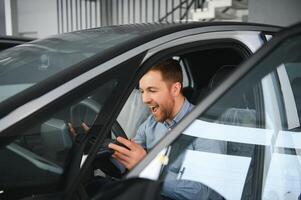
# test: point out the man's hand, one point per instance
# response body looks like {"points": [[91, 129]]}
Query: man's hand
{"points": [[128, 157]]}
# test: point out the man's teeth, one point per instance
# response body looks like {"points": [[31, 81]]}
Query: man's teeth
{"points": [[153, 108]]}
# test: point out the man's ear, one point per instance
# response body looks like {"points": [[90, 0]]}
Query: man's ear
{"points": [[176, 89]]}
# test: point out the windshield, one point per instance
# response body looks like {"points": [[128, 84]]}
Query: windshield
{"points": [[30, 63]]}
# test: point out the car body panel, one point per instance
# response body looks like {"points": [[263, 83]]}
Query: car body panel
{"points": [[250, 39]]}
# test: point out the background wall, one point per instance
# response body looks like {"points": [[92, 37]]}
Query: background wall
{"points": [[41, 18], [2, 19], [82, 14], [36, 18], [276, 12]]}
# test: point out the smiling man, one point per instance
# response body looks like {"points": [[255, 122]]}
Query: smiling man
{"points": [[161, 90]]}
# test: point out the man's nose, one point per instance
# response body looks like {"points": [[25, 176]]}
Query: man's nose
{"points": [[146, 98]]}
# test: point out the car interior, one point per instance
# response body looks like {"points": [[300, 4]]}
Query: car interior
{"points": [[203, 70]]}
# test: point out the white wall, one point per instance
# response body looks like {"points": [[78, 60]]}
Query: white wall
{"points": [[276, 12], [82, 14], [149, 13], [2, 19], [37, 18]]}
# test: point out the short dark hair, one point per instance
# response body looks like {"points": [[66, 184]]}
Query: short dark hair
{"points": [[171, 71]]}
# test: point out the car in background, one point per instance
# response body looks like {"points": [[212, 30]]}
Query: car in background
{"points": [[11, 41], [93, 75]]}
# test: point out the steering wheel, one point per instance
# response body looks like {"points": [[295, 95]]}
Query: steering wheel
{"points": [[86, 111]]}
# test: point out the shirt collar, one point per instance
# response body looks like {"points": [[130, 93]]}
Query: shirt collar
{"points": [[182, 112]]}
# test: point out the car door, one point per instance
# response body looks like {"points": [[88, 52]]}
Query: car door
{"points": [[40, 157], [242, 141]]}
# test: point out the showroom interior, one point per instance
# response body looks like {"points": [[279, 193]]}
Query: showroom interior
{"points": [[41, 18], [150, 99]]}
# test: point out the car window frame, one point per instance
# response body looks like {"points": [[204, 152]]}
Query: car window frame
{"points": [[166, 53], [191, 47], [288, 100], [116, 102]]}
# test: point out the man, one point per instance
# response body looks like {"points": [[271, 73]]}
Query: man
{"points": [[161, 89]]}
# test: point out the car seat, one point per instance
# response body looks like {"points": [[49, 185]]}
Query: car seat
{"points": [[221, 74], [55, 138], [237, 113], [133, 113]]}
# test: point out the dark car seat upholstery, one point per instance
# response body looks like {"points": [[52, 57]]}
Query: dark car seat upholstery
{"points": [[189, 93], [242, 117], [236, 113], [55, 138], [55, 134], [221, 74]]}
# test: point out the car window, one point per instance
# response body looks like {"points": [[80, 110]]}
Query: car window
{"points": [[36, 158], [23, 66], [247, 144]]}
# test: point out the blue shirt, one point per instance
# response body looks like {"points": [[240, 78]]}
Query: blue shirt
{"points": [[151, 131]]}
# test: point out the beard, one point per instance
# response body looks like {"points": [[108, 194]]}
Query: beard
{"points": [[161, 116], [162, 113]]}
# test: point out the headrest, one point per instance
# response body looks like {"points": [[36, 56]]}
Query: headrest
{"points": [[221, 74]]}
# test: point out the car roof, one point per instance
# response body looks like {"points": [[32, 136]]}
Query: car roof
{"points": [[177, 26], [15, 38], [5, 39], [151, 31]]}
